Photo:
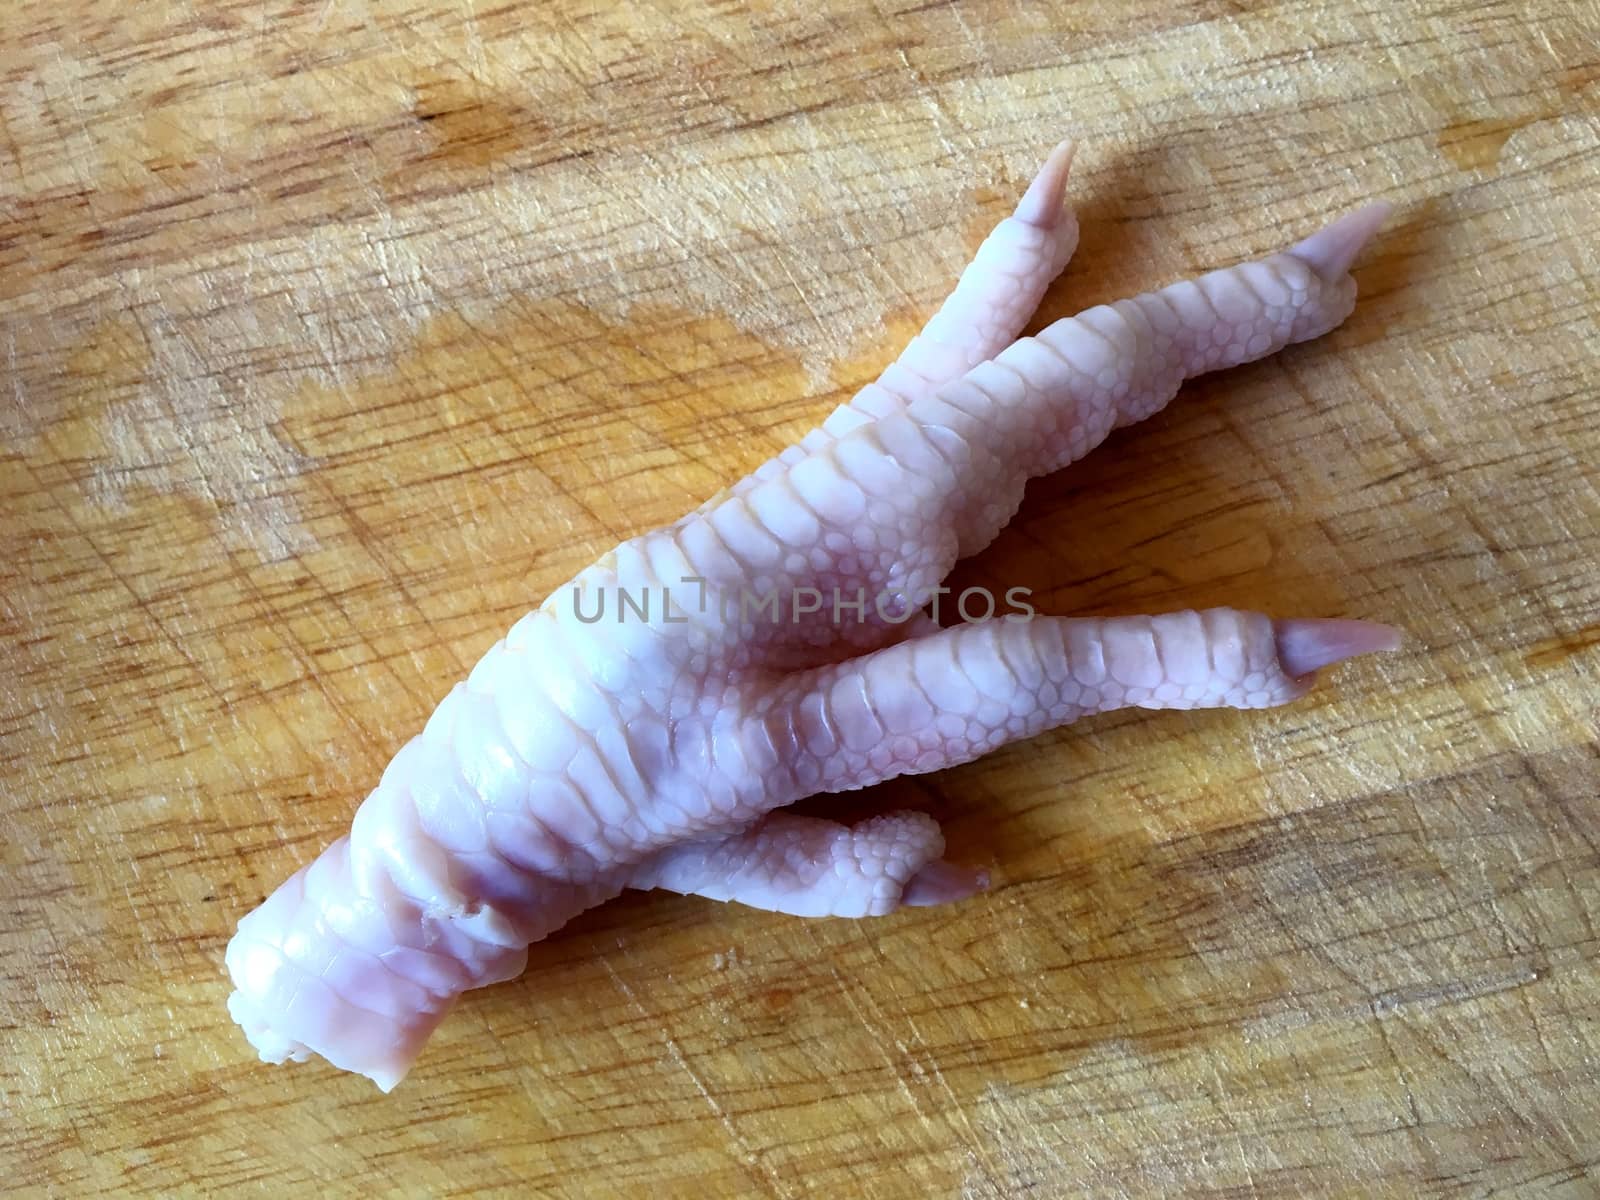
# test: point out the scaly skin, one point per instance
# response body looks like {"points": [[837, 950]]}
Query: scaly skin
{"points": [[651, 748]]}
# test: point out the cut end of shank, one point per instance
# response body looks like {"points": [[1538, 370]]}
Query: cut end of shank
{"points": [[276, 1048], [289, 1018], [353, 970]]}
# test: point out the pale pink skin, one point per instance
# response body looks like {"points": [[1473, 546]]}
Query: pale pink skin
{"points": [[580, 759]]}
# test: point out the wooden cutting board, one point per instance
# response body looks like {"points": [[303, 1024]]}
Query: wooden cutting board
{"points": [[334, 335]]}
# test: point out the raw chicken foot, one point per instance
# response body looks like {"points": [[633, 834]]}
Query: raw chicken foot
{"points": [[582, 757]]}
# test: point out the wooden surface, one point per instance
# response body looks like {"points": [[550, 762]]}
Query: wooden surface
{"points": [[334, 336]]}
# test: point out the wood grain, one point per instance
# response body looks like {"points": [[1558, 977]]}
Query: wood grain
{"points": [[335, 334]]}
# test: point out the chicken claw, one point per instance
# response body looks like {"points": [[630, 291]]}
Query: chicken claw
{"points": [[647, 724]]}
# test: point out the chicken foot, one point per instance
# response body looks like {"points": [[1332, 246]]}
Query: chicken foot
{"points": [[646, 726]]}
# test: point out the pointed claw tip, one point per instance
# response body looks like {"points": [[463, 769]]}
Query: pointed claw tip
{"points": [[1041, 203], [1309, 644], [1330, 251], [941, 882], [1063, 153]]}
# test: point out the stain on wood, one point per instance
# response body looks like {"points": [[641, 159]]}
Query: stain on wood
{"points": [[335, 336]]}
